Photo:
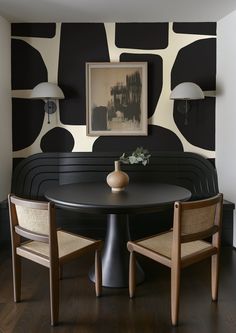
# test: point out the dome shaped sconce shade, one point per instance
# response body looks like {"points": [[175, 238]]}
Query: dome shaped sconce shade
{"points": [[186, 91], [49, 92]]}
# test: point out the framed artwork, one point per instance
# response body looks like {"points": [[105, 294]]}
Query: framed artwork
{"points": [[116, 98]]}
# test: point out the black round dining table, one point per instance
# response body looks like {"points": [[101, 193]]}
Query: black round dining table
{"points": [[97, 198]]}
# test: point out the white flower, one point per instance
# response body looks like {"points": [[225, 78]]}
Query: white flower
{"points": [[139, 155]]}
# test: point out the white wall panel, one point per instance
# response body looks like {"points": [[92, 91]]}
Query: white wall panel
{"points": [[226, 108], [5, 109]]}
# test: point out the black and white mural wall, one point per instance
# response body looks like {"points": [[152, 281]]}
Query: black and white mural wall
{"points": [[175, 53]]}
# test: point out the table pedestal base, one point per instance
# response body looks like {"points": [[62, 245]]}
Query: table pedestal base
{"points": [[115, 256]]}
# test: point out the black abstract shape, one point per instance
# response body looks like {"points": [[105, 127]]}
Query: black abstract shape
{"points": [[147, 36], [198, 28], [196, 63], [80, 43], [27, 121], [155, 76], [43, 30], [158, 139], [28, 68], [200, 129], [57, 140]]}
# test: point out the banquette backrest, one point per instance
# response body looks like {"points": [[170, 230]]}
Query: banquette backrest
{"points": [[36, 173]]}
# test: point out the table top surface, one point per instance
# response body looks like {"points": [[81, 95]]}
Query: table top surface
{"points": [[97, 197]]}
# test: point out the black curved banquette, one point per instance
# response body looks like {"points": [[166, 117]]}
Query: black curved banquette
{"points": [[36, 173]]}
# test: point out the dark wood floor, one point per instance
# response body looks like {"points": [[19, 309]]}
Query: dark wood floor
{"points": [[149, 312]]}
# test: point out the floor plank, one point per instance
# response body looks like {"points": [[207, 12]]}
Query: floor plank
{"points": [[81, 311]]}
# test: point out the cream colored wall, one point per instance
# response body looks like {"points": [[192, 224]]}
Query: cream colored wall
{"points": [[5, 109], [226, 109]]}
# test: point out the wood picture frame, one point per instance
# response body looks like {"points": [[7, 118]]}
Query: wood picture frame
{"points": [[116, 98]]}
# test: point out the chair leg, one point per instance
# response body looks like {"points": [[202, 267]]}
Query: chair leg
{"points": [[16, 267], [98, 273], [132, 274], [54, 293], [175, 288], [214, 276]]}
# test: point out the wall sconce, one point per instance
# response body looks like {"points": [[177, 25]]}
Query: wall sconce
{"points": [[186, 91], [49, 92]]}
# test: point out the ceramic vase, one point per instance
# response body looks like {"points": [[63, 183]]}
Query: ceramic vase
{"points": [[117, 179]]}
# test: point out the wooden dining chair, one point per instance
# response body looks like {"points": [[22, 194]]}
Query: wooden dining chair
{"points": [[185, 245], [45, 245]]}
